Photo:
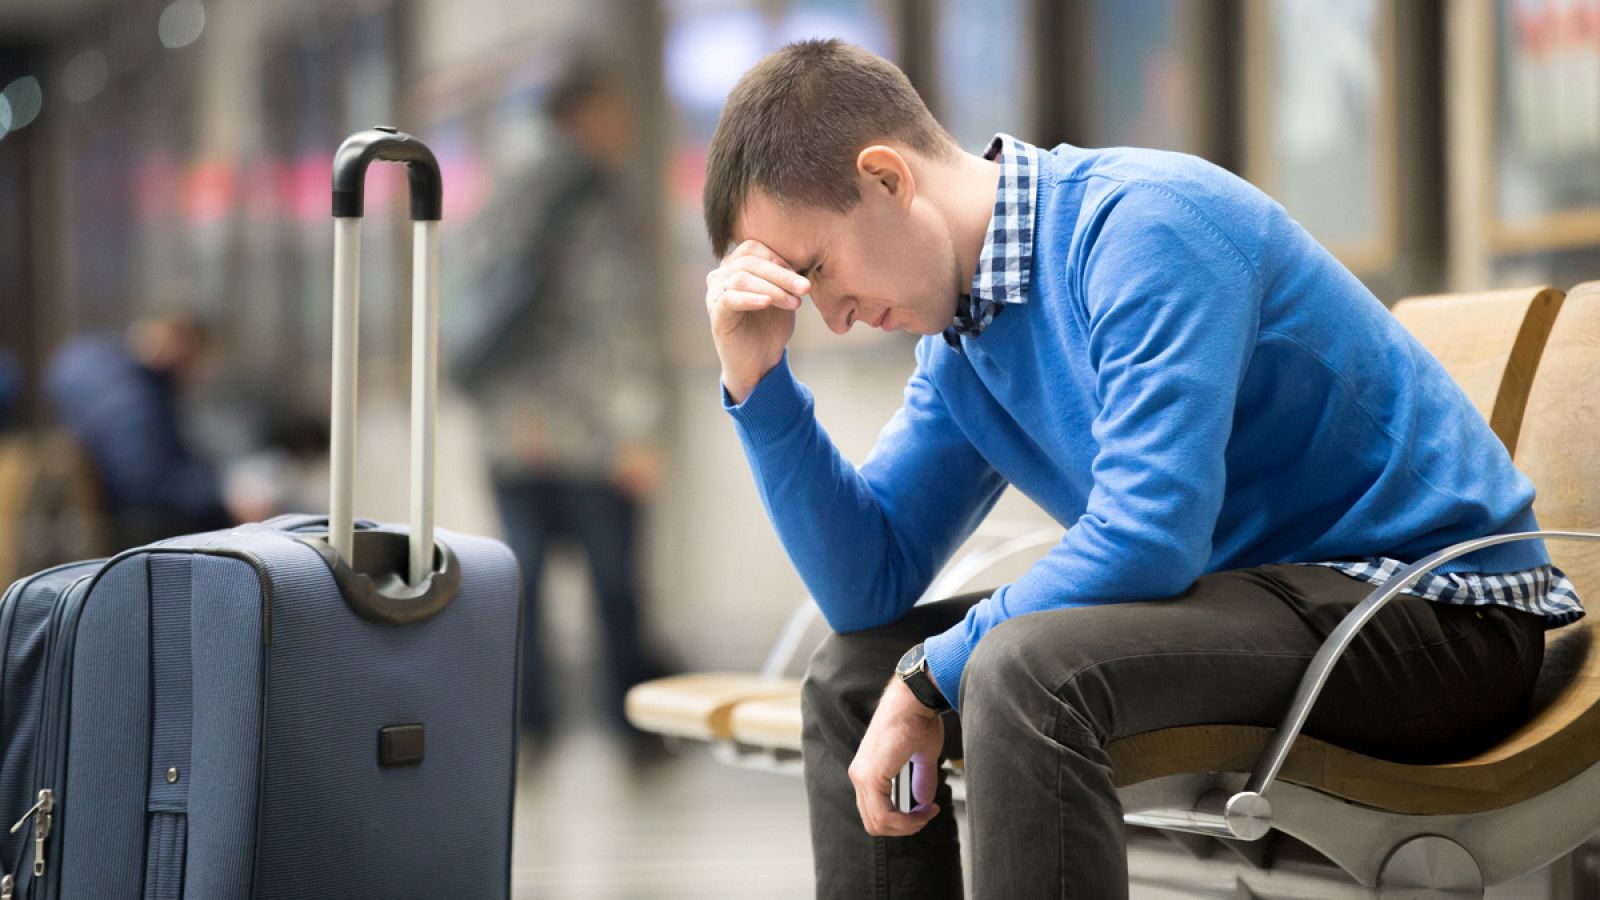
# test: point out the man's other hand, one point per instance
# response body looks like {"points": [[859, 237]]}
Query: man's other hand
{"points": [[902, 729], [751, 299]]}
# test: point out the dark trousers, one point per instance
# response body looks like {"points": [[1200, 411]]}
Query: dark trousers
{"points": [[536, 511], [1044, 693]]}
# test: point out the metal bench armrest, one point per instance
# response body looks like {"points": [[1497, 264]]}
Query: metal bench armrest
{"points": [[1247, 814]]}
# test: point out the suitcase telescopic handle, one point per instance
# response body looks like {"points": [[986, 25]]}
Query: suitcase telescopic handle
{"points": [[349, 176]]}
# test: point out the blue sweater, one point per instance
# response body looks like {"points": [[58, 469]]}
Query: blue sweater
{"points": [[1193, 385]]}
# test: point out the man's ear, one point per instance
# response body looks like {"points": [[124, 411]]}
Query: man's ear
{"points": [[882, 169]]}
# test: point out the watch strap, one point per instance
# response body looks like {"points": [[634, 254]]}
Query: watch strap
{"points": [[920, 680]]}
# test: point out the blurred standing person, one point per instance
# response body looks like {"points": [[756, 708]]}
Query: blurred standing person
{"points": [[120, 397], [565, 365]]}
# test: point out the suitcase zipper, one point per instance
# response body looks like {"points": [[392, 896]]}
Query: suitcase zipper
{"points": [[8, 611], [53, 715], [42, 813]]}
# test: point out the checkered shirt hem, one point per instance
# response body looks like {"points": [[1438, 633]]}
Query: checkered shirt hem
{"points": [[1544, 590]]}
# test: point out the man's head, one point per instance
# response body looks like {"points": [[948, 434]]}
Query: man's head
{"points": [[825, 153], [589, 102], [177, 344]]}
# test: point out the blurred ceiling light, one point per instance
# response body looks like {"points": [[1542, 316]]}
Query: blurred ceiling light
{"points": [[5, 116], [85, 76], [25, 99], [181, 23]]}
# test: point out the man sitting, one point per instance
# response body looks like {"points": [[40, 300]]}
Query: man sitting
{"points": [[1238, 436]]}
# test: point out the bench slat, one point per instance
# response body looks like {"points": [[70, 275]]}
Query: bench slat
{"points": [[773, 722], [698, 706]]}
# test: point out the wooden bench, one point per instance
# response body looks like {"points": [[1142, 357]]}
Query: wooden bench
{"points": [[1530, 362]]}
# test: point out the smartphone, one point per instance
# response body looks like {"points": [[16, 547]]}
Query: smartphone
{"points": [[900, 795]]}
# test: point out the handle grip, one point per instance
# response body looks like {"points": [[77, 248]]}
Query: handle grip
{"points": [[391, 145]]}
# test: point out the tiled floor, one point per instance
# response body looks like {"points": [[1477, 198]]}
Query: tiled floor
{"points": [[590, 828]]}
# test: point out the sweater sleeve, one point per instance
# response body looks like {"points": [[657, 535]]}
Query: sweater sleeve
{"points": [[1172, 309], [865, 541]]}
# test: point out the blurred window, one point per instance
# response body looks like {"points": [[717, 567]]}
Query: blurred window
{"points": [[1143, 74], [1547, 115], [985, 70], [1322, 122]]}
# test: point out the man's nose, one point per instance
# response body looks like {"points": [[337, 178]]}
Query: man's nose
{"points": [[835, 312]]}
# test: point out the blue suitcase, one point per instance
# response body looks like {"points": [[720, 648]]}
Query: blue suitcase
{"points": [[309, 707]]}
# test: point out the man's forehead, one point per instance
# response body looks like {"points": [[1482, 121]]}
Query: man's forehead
{"points": [[792, 233]]}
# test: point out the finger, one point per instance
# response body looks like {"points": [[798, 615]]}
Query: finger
{"points": [[750, 281], [924, 781], [882, 821], [755, 248], [748, 301], [770, 272], [872, 794], [880, 817]]}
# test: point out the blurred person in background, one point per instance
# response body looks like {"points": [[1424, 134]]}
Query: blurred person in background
{"points": [[10, 388], [564, 363], [121, 398]]}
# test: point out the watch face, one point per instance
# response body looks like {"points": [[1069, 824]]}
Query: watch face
{"points": [[910, 661]]}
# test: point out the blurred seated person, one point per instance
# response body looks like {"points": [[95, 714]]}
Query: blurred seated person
{"points": [[121, 398]]}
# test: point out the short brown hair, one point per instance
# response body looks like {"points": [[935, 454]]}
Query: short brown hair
{"points": [[794, 124]]}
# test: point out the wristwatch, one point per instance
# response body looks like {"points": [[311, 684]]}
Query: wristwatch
{"points": [[913, 671]]}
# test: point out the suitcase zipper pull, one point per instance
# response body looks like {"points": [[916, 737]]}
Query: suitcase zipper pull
{"points": [[41, 829], [8, 886]]}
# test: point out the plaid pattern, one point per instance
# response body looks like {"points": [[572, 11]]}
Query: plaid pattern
{"points": [[1543, 591], [1007, 257]]}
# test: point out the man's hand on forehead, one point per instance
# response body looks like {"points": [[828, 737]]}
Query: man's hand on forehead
{"points": [[754, 268], [751, 300]]}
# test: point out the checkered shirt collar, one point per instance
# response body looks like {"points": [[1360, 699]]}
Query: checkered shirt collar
{"points": [[1006, 261]]}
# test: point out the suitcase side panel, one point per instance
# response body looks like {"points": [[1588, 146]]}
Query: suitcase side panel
{"points": [[99, 832], [167, 675], [440, 828]]}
